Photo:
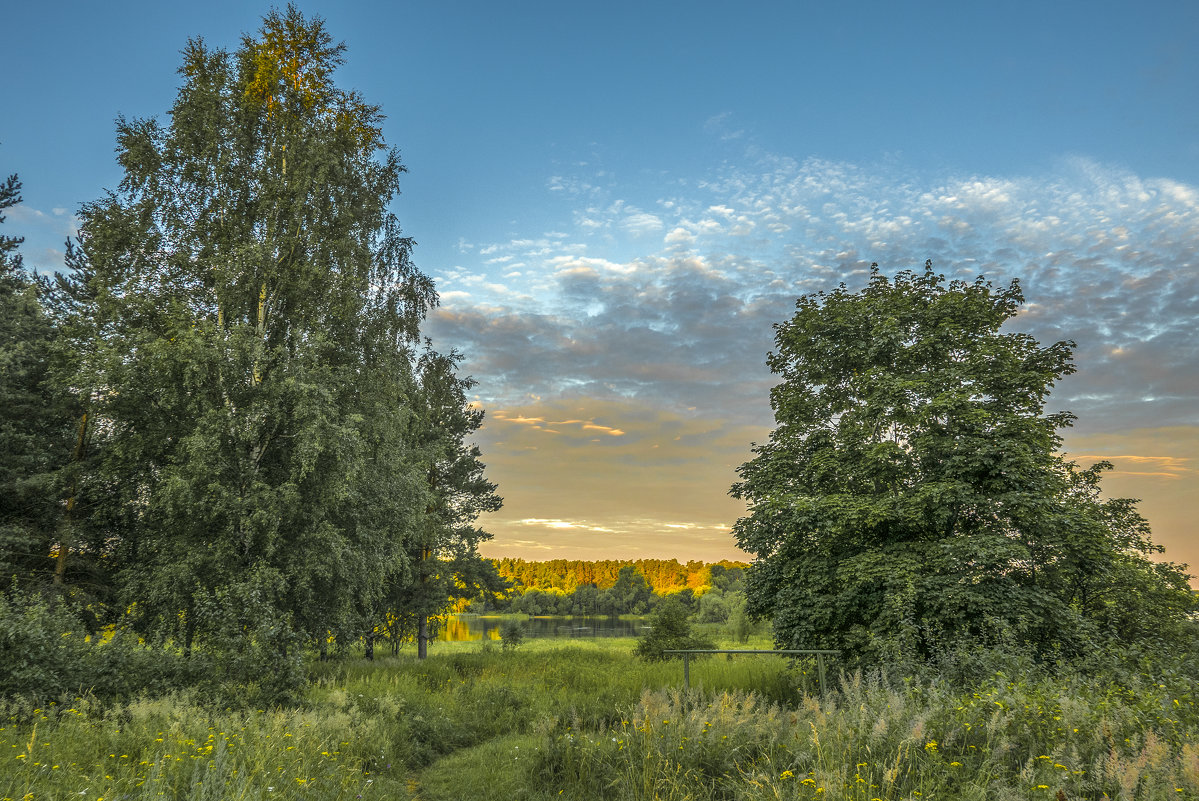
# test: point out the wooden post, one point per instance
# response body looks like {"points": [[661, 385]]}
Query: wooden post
{"points": [[686, 671]]}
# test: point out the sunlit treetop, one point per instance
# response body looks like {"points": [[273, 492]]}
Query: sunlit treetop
{"points": [[289, 68]]}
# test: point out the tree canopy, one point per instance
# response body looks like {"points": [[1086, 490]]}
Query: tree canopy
{"points": [[264, 444], [913, 488], [34, 433]]}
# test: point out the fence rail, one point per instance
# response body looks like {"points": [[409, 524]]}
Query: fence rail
{"points": [[820, 654]]}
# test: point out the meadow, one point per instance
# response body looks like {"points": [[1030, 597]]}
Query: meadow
{"points": [[584, 719]]}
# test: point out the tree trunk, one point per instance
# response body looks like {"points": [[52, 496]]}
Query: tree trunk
{"points": [[68, 528], [189, 631], [370, 647], [422, 638]]}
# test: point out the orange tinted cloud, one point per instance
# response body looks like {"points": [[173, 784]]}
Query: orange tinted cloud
{"points": [[656, 485], [1148, 463]]}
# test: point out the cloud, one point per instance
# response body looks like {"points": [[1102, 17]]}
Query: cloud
{"points": [[665, 476], [1158, 466], [641, 223], [720, 125], [681, 322], [1106, 257], [40, 227], [680, 236]]}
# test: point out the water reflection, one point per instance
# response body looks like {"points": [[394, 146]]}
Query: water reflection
{"points": [[456, 628]]}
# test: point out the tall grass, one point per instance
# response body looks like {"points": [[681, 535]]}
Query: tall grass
{"points": [[1043, 739], [584, 720]]}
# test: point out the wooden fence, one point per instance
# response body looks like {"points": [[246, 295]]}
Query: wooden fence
{"points": [[687, 660]]}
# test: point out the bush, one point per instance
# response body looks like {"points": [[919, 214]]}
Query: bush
{"points": [[512, 634], [255, 656], [669, 630], [46, 651], [712, 608], [249, 655], [739, 624]]}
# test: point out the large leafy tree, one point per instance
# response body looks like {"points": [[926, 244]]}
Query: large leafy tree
{"points": [[913, 487], [442, 550], [245, 342]]}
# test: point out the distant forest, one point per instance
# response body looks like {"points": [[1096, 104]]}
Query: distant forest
{"points": [[614, 587], [567, 575]]}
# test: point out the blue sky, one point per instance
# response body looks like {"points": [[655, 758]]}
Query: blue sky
{"points": [[618, 199]]}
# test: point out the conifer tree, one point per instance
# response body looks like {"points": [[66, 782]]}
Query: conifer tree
{"points": [[33, 436]]}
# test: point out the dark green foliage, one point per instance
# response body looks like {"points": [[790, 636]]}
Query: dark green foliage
{"points": [[50, 647], [253, 657], [512, 634], [47, 650], [270, 455], [912, 490], [34, 426], [669, 630], [739, 624], [712, 608], [442, 551], [631, 594]]}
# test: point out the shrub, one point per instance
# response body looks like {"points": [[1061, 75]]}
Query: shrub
{"points": [[669, 630], [46, 651], [739, 624], [512, 634], [255, 655]]}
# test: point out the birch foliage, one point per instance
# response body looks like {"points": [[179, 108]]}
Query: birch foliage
{"points": [[253, 311]]}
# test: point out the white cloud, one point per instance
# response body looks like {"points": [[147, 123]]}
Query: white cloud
{"points": [[642, 222], [680, 236], [1107, 257]]}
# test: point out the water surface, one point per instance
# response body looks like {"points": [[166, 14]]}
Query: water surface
{"points": [[483, 627]]}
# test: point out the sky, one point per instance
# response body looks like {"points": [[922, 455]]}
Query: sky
{"points": [[618, 200]]}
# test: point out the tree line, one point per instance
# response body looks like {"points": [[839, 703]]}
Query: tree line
{"points": [[578, 587], [566, 575], [221, 424]]}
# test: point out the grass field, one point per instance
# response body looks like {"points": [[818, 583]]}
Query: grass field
{"points": [[585, 720]]}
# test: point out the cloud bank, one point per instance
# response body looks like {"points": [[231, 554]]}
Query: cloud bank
{"points": [[652, 312]]}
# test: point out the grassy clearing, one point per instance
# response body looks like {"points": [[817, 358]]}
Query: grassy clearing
{"points": [[584, 720]]}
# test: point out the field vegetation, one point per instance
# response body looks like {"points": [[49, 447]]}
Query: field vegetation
{"points": [[587, 720]]}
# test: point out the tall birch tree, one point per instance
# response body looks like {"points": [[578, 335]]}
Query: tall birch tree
{"points": [[254, 311]]}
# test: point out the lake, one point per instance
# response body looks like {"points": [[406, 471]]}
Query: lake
{"points": [[483, 627]]}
